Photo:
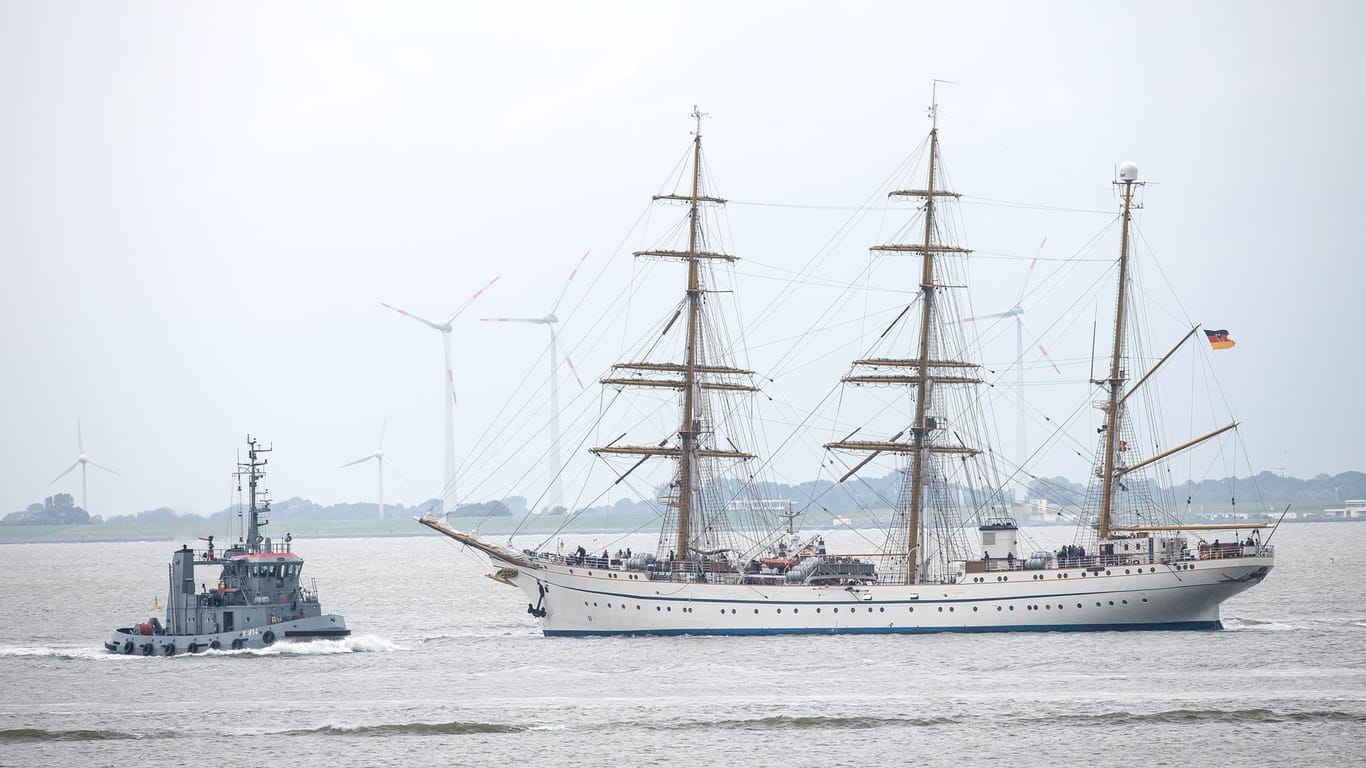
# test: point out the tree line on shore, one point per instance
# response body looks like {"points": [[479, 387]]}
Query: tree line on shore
{"points": [[1313, 493]]}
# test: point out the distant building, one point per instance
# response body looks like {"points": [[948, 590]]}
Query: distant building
{"points": [[1351, 509]]}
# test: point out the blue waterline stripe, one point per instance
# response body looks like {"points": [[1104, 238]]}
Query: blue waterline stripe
{"points": [[1175, 625]]}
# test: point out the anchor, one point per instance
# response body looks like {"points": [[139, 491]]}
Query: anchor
{"points": [[537, 610]]}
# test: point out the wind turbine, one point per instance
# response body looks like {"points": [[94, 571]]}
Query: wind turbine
{"points": [[447, 480], [549, 320], [1016, 313], [380, 461], [81, 461]]}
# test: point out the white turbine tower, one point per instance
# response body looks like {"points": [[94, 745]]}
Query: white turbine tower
{"points": [[380, 461], [447, 480], [549, 320], [1017, 313], [81, 461]]}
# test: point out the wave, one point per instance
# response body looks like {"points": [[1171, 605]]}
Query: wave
{"points": [[1202, 716], [420, 729], [1256, 625], [42, 734], [813, 722], [22, 651], [352, 644]]}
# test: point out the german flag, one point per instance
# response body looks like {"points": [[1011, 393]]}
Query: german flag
{"points": [[1219, 339]]}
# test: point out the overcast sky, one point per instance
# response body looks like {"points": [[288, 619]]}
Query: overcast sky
{"points": [[202, 205]]}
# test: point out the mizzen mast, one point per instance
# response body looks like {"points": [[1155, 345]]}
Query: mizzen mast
{"points": [[1128, 177]]}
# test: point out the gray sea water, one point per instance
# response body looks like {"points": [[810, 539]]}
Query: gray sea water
{"points": [[446, 668]]}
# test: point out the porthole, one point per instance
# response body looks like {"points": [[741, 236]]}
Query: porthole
{"points": [[818, 610], [657, 608], [837, 610], [756, 610], [1012, 607], [794, 610], [941, 609], [950, 609], [1112, 602], [585, 602], [669, 609], [1107, 573], [1126, 571], [1126, 602], [1078, 605], [974, 609], [1047, 607], [780, 610], [998, 608], [1145, 599], [881, 609], [1097, 603], [913, 609], [595, 604], [733, 611]]}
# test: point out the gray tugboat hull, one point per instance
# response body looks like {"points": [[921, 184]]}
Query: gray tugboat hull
{"points": [[130, 641]]}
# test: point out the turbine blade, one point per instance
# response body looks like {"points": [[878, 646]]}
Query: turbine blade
{"points": [[471, 299], [385, 460], [101, 466], [357, 461], [1033, 338], [565, 289], [406, 313], [1029, 275], [975, 318], [574, 371], [538, 320], [80, 444], [66, 471], [383, 427]]}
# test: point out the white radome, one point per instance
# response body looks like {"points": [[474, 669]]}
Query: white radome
{"points": [[1128, 171]]}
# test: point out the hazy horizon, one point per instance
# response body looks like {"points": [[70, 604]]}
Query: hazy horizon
{"points": [[203, 207]]}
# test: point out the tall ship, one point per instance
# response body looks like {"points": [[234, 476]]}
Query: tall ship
{"points": [[950, 559], [257, 598]]}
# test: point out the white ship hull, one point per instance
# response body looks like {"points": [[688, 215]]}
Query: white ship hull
{"points": [[130, 640], [579, 600]]}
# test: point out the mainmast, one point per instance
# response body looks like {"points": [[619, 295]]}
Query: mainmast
{"points": [[693, 376], [1128, 176], [687, 431], [255, 472], [926, 372]]}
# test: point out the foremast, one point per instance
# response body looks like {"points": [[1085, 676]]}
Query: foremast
{"points": [[694, 376], [926, 372]]}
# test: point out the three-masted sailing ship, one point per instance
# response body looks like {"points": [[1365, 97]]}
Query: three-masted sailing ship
{"points": [[1134, 565]]}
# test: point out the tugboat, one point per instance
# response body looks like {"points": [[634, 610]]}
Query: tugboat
{"points": [[256, 601]]}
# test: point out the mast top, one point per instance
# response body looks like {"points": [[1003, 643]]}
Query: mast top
{"points": [[698, 115], [934, 103]]}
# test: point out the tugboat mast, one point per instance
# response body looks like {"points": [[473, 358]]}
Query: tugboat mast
{"points": [[253, 469]]}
